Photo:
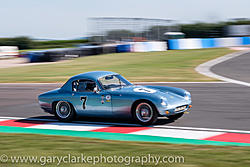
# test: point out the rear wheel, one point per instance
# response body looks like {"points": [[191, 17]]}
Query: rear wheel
{"points": [[176, 116], [64, 111], [144, 113]]}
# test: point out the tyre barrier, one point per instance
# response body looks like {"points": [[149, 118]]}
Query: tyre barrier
{"points": [[62, 53], [88, 50], [109, 49]]}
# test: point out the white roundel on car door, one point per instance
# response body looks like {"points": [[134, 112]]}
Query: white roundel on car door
{"points": [[108, 98]]}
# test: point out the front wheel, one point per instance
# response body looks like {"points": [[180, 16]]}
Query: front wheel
{"points": [[144, 113], [64, 111], [176, 116]]}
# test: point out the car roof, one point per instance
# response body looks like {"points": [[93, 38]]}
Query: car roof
{"points": [[93, 75]]}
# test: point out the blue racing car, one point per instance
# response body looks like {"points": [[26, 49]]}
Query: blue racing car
{"points": [[108, 94]]}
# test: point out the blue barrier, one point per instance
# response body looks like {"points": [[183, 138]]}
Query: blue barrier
{"points": [[123, 48], [208, 43], [173, 44], [245, 40]]}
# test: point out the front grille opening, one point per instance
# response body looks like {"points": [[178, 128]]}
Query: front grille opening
{"points": [[180, 108]]}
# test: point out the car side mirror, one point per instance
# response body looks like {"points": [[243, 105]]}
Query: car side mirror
{"points": [[96, 90]]}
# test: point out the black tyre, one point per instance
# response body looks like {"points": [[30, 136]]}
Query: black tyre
{"points": [[64, 111], [144, 113], [176, 116]]}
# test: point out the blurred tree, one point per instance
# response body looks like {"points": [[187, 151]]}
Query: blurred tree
{"points": [[203, 30], [27, 43], [210, 30], [239, 22], [21, 42]]}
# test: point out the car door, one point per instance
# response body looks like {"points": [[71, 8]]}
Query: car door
{"points": [[88, 101]]}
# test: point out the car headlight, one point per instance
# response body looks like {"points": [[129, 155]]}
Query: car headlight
{"points": [[164, 102], [187, 95]]}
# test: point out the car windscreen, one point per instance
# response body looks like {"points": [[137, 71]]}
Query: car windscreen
{"points": [[113, 81]]}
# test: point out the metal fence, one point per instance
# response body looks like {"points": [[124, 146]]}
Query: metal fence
{"points": [[127, 29]]}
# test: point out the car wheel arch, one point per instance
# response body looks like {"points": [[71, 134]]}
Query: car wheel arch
{"points": [[136, 102], [56, 101]]}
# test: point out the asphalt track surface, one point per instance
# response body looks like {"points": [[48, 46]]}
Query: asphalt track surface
{"points": [[215, 105], [236, 68]]}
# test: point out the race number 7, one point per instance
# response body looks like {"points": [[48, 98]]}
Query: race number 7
{"points": [[83, 99]]}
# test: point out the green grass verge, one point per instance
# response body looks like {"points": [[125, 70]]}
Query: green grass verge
{"points": [[194, 155], [173, 65]]}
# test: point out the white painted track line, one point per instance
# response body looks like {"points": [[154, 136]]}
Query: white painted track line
{"points": [[178, 133], [202, 129], [2, 119], [205, 68], [8, 118], [69, 126], [79, 122]]}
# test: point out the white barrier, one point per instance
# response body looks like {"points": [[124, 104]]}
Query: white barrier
{"points": [[226, 42], [190, 43], [148, 46], [8, 51]]}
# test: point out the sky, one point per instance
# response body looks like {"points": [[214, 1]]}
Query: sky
{"points": [[67, 19]]}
